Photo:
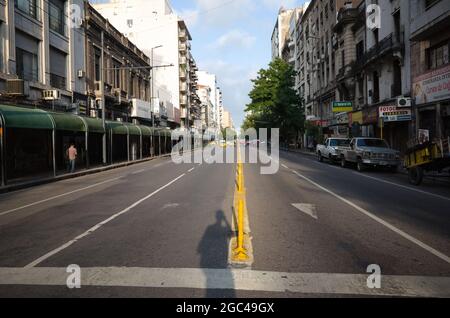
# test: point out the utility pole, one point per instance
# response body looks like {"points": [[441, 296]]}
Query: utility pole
{"points": [[102, 90], [152, 97]]}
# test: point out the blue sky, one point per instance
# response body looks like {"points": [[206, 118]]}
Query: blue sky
{"points": [[231, 38]]}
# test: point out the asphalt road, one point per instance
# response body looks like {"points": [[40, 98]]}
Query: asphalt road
{"points": [[158, 229]]}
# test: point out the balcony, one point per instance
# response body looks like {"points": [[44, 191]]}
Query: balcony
{"points": [[182, 47], [183, 87], [387, 45], [182, 35], [183, 60], [183, 100], [183, 74]]}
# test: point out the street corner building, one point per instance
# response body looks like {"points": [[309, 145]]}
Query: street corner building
{"points": [[370, 68]]}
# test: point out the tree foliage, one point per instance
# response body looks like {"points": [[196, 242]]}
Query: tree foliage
{"points": [[274, 101]]}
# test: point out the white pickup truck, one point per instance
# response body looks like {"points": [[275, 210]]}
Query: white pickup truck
{"points": [[370, 152], [331, 149]]}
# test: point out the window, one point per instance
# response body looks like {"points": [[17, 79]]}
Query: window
{"points": [[56, 16], [359, 51], [376, 88], [28, 7], [438, 55], [27, 65], [375, 36], [373, 143], [117, 74], [58, 68], [97, 63]]}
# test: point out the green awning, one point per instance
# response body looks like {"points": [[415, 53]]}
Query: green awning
{"points": [[19, 117], [146, 131], [117, 128], [68, 122], [134, 130], [164, 132], [94, 125]]}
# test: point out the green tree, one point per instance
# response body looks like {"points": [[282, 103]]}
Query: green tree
{"points": [[274, 101]]}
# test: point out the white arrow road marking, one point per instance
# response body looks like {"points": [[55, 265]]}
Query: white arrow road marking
{"points": [[309, 209], [388, 225], [231, 279]]}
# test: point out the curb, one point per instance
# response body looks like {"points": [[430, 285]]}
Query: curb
{"points": [[33, 183]]}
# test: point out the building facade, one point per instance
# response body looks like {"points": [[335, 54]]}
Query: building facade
{"points": [[430, 66], [124, 86], [210, 80], [40, 51], [227, 120], [357, 68], [165, 38], [280, 32]]}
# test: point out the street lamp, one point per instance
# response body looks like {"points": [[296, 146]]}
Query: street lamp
{"points": [[152, 98]]}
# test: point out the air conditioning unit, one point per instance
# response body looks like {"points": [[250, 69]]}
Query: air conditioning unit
{"points": [[52, 94], [17, 87], [404, 102]]}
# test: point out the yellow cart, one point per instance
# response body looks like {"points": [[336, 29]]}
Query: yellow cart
{"points": [[428, 157]]}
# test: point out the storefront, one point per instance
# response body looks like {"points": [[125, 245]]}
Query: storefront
{"points": [[394, 125], [340, 126], [431, 93]]}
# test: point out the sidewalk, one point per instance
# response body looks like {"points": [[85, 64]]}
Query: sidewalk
{"points": [[41, 181]]}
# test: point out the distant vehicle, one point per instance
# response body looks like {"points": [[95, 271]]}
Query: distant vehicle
{"points": [[370, 152], [330, 150]]}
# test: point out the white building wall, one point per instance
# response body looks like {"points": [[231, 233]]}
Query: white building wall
{"points": [[210, 80], [151, 23]]}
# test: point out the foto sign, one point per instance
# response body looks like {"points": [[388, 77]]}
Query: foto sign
{"points": [[394, 113], [342, 107]]}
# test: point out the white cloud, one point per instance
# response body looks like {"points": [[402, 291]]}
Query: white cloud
{"points": [[234, 39], [234, 80]]}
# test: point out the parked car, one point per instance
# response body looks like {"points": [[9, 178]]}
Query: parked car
{"points": [[370, 152], [331, 149]]}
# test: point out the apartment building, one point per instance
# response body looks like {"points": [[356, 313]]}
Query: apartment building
{"points": [[227, 120], [280, 32], [117, 73], [207, 112], [210, 80], [42, 52], [289, 48], [430, 66], [163, 36]]}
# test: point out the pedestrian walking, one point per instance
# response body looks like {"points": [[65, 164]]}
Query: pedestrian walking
{"points": [[72, 156]]}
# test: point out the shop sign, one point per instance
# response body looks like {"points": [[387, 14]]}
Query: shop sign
{"points": [[432, 87], [342, 119], [356, 118], [394, 113], [342, 107]]}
